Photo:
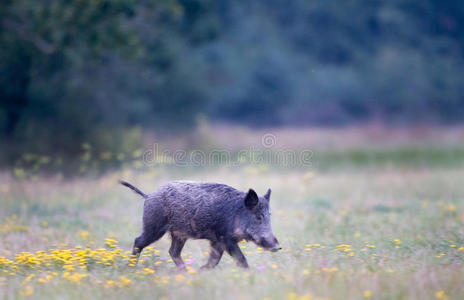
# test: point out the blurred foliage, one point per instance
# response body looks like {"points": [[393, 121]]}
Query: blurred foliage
{"points": [[83, 71], [95, 71], [332, 62]]}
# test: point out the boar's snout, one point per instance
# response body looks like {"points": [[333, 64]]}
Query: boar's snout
{"points": [[275, 248], [271, 244]]}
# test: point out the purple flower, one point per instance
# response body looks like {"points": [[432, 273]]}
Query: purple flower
{"points": [[324, 262], [260, 268]]}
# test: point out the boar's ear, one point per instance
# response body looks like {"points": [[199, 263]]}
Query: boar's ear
{"points": [[268, 195], [251, 199]]}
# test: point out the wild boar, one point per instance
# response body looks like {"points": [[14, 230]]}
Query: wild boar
{"points": [[211, 211]]}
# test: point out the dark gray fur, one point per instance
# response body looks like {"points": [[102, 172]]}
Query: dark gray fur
{"points": [[212, 211]]}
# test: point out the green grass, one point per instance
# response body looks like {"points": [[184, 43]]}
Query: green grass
{"points": [[367, 208], [431, 156]]}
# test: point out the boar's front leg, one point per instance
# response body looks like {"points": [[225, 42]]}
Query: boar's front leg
{"points": [[176, 248], [234, 250], [215, 254]]}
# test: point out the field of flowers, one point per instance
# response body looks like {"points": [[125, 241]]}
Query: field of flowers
{"points": [[385, 232]]}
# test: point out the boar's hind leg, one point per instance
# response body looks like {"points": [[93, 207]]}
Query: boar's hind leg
{"points": [[215, 255], [234, 250], [176, 248]]}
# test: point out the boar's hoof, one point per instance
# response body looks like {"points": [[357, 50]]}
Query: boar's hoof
{"points": [[206, 267], [181, 268]]}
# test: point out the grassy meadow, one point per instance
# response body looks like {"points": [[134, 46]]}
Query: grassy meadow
{"points": [[375, 216]]}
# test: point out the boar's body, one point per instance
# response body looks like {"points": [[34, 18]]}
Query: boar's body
{"points": [[212, 211], [196, 210]]}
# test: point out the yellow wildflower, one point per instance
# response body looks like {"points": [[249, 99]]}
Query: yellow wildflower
{"points": [[148, 271], [179, 277], [28, 290], [451, 208], [124, 281], [441, 295]]}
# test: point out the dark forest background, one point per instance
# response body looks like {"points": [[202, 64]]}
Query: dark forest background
{"points": [[93, 72]]}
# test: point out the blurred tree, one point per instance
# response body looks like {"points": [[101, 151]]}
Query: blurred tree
{"points": [[46, 42], [62, 72]]}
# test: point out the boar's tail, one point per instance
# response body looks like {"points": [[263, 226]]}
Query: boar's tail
{"points": [[136, 190]]}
